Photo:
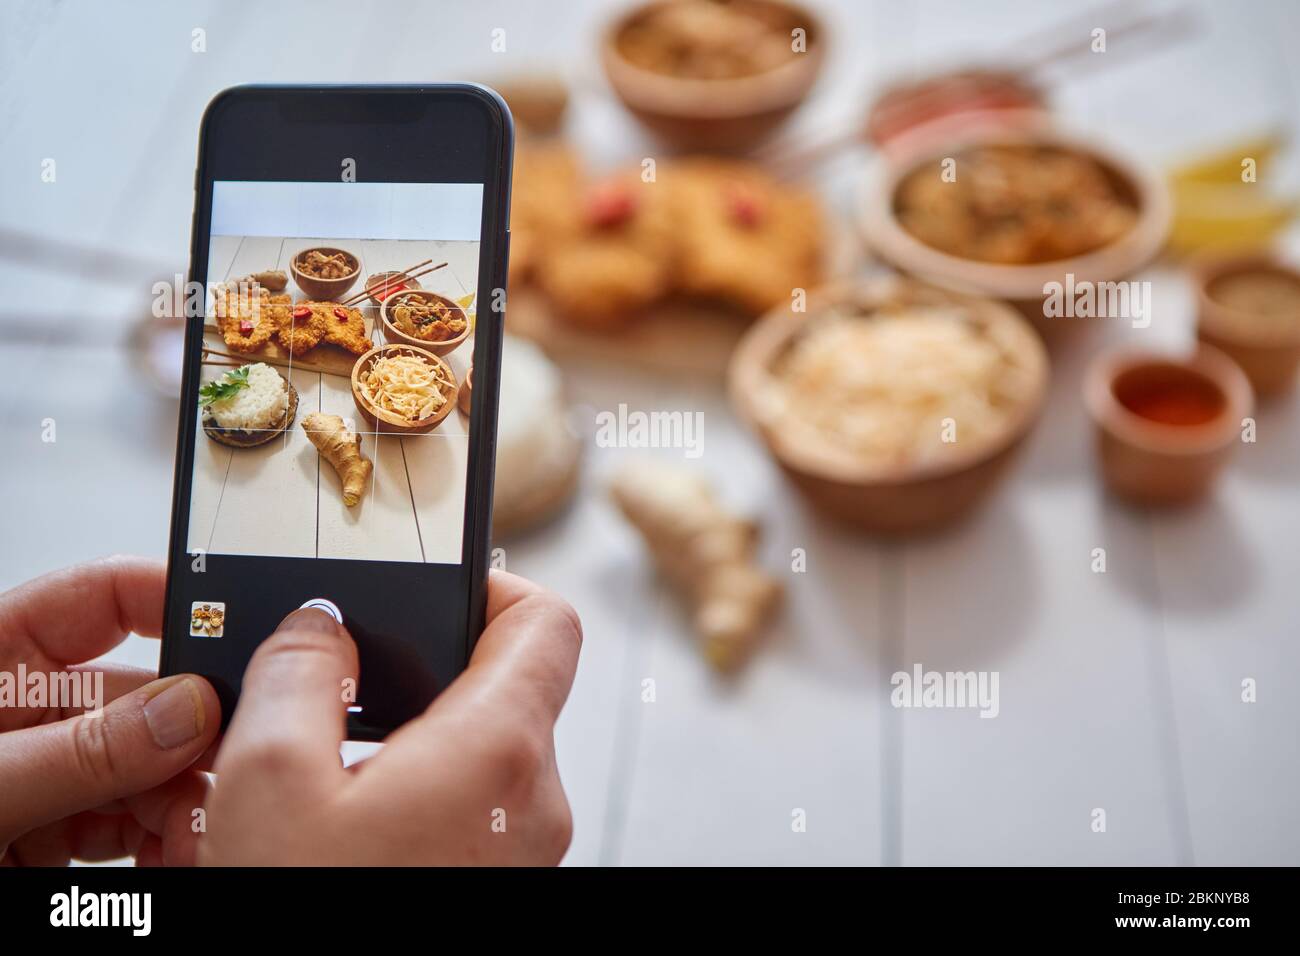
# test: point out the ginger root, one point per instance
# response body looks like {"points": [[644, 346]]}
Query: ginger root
{"points": [[273, 279], [706, 551], [341, 447]]}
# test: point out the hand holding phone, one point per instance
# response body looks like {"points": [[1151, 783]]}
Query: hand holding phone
{"points": [[472, 780], [113, 768]]}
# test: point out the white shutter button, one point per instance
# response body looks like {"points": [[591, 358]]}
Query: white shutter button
{"points": [[329, 607]]}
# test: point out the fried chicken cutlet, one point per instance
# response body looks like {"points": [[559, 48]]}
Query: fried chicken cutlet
{"points": [[247, 318], [621, 259], [306, 324], [744, 238]]}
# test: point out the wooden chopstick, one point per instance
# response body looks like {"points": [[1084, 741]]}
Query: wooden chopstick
{"points": [[440, 265], [391, 280], [1168, 25], [306, 365], [396, 279], [416, 275], [791, 158]]}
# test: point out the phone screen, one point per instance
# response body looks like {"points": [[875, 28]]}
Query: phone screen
{"points": [[330, 456]]}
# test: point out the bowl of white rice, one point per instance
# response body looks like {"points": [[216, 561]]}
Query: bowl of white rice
{"points": [[893, 405], [247, 406]]}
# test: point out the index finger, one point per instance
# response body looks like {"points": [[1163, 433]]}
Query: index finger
{"points": [[76, 614]]}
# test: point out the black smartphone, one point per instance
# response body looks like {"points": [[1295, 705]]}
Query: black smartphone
{"points": [[347, 272]]}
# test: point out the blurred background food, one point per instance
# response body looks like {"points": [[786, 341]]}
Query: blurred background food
{"points": [[783, 410], [706, 551], [713, 75], [1249, 308], [1166, 425], [1003, 203], [893, 405], [1219, 203]]}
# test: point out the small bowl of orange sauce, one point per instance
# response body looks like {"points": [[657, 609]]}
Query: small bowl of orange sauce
{"points": [[1166, 424]]}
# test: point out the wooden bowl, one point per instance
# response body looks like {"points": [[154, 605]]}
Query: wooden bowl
{"points": [[715, 115], [1155, 462], [1266, 347], [324, 290], [1021, 285], [875, 497], [393, 334], [386, 421], [380, 277]]}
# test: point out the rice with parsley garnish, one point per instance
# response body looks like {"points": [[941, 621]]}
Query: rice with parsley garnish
{"points": [[251, 398]]}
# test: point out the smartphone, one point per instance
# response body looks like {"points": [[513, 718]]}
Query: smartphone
{"points": [[349, 248]]}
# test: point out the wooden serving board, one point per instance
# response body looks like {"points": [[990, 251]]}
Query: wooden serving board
{"points": [[325, 357], [679, 338], [674, 339]]}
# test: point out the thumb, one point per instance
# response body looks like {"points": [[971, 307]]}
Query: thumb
{"points": [[137, 742], [292, 713]]}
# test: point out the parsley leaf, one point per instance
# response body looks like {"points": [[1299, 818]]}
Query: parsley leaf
{"points": [[225, 387]]}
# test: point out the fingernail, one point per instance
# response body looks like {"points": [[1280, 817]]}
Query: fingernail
{"points": [[311, 619], [175, 716]]}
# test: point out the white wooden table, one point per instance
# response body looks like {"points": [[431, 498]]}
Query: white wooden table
{"points": [[1119, 691]]}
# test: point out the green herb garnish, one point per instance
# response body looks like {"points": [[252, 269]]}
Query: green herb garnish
{"points": [[225, 387]]}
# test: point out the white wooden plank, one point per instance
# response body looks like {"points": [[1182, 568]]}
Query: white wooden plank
{"points": [[269, 502], [1226, 596], [460, 277], [1078, 724], [256, 254], [221, 255], [436, 464]]}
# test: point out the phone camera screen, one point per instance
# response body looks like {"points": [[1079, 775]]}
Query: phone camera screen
{"points": [[332, 438]]}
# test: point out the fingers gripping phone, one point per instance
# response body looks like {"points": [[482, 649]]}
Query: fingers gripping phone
{"points": [[351, 246]]}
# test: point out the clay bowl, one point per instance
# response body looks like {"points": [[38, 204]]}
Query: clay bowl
{"points": [[1021, 285], [1267, 347], [324, 290], [1135, 397], [379, 278], [386, 421], [878, 497], [394, 334], [465, 394], [717, 115]]}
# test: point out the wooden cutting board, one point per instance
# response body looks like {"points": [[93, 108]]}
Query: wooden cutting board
{"points": [[676, 339], [325, 357]]}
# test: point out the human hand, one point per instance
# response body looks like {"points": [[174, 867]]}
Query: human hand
{"points": [[482, 754], [105, 786]]}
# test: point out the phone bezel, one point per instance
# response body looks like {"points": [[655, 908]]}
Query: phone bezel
{"points": [[492, 166]]}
